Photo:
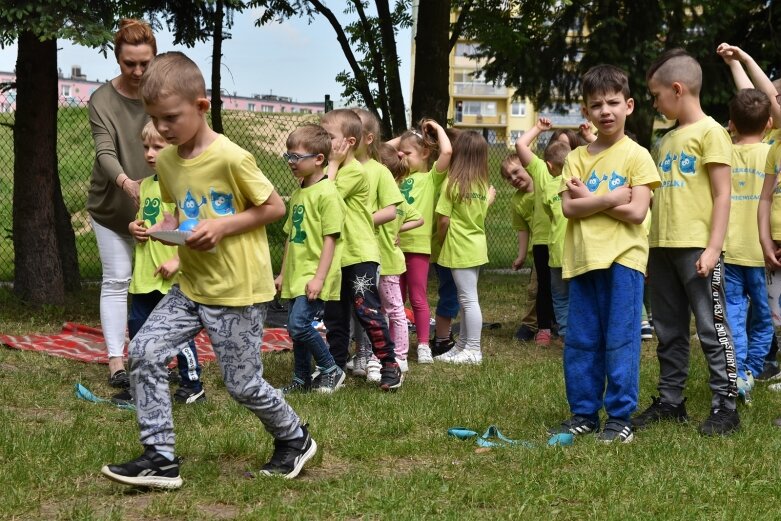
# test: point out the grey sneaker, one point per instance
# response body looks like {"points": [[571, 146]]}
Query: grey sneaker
{"points": [[329, 382], [359, 365]]}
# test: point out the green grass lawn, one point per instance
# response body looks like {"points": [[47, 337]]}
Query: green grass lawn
{"points": [[382, 456]]}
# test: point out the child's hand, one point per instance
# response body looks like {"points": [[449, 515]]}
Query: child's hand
{"points": [[518, 262], [730, 52], [339, 152], [491, 195], [138, 230], [430, 127], [586, 133], [206, 234], [544, 124], [168, 222], [169, 268], [313, 288], [278, 282], [707, 262], [397, 242], [577, 188], [621, 196]]}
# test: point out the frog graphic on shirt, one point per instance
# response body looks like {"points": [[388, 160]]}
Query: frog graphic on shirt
{"points": [[191, 210], [616, 181], [687, 163], [222, 204], [298, 220], [151, 210], [406, 188]]}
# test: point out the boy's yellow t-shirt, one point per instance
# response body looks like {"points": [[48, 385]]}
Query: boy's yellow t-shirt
{"points": [[773, 167], [147, 256], [772, 136], [683, 204], [597, 241], [558, 227], [538, 171], [223, 180], [360, 243], [419, 189], [741, 246], [315, 211], [391, 257], [465, 244], [521, 211]]}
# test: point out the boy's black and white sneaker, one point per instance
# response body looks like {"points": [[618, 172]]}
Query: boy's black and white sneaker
{"points": [[660, 411], [616, 431], [440, 347], [391, 376], [770, 371], [119, 379], [148, 470], [188, 395], [576, 426], [329, 382], [722, 421], [122, 398], [297, 386], [290, 456]]}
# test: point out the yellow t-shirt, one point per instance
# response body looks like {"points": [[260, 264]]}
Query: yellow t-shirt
{"points": [[223, 180], [465, 244], [741, 246], [521, 211], [391, 257], [597, 241], [538, 171], [360, 243], [419, 190], [773, 167], [683, 204], [772, 136], [558, 224], [315, 211], [147, 256]]}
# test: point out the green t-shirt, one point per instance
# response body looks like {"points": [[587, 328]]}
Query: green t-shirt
{"points": [[419, 190], [360, 243], [391, 257], [465, 244], [558, 228], [521, 211], [383, 190], [538, 171], [315, 211], [149, 255]]}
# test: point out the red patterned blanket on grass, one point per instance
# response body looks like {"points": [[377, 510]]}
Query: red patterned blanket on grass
{"points": [[84, 343]]}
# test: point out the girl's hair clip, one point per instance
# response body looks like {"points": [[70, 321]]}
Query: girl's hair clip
{"points": [[416, 133]]}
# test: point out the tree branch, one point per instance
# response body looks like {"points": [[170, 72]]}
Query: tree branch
{"points": [[460, 22], [379, 70]]}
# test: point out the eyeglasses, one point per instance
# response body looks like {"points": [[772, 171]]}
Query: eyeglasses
{"points": [[292, 157]]}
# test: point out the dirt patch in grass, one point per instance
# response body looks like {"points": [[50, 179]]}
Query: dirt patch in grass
{"points": [[38, 414], [219, 510]]}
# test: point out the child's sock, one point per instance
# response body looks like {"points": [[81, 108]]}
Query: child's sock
{"points": [[167, 455], [296, 434]]}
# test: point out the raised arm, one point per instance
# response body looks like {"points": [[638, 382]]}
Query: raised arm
{"points": [[757, 75], [445, 148], [524, 142]]}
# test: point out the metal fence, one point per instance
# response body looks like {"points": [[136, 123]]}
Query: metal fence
{"points": [[262, 134]]}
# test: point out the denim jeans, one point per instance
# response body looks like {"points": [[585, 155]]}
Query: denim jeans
{"points": [[307, 341], [560, 293]]}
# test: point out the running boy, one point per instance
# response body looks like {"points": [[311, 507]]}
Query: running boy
{"points": [[217, 184], [311, 273], [605, 193], [688, 225]]}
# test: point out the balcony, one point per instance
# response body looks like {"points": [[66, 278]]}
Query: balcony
{"points": [[479, 89], [481, 120]]}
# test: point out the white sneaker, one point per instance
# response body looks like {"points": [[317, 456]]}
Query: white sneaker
{"points": [[445, 357], [424, 354], [350, 363], [403, 365], [775, 387], [466, 357], [373, 370], [359, 365]]}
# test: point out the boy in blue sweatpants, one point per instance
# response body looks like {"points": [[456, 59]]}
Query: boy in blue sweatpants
{"points": [[605, 193]]}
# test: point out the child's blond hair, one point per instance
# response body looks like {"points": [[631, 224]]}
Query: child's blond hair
{"points": [[172, 74], [311, 137], [677, 65], [150, 133], [370, 125], [348, 121], [423, 141], [468, 166], [398, 166]]}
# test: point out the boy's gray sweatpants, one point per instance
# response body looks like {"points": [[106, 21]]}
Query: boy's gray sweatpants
{"points": [[236, 334], [675, 290]]}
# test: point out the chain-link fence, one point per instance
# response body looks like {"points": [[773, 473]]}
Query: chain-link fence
{"points": [[262, 134]]}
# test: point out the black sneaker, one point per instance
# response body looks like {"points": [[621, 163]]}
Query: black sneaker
{"points": [[189, 395], [148, 470], [390, 376], [123, 398], [173, 375], [770, 371], [329, 382], [525, 333], [442, 346], [616, 431], [722, 421], [297, 386], [576, 425], [119, 379], [290, 456], [660, 411]]}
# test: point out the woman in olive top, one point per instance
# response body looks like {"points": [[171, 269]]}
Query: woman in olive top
{"points": [[117, 117]]}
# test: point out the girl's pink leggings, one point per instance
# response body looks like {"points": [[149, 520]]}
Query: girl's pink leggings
{"points": [[414, 284]]}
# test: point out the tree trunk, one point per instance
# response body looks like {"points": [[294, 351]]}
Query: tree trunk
{"points": [[66, 240], [38, 277], [430, 96], [219, 13], [398, 115]]}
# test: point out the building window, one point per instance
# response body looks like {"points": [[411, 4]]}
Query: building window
{"points": [[66, 91], [466, 49], [251, 107], [479, 108], [267, 108], [518, 109]]}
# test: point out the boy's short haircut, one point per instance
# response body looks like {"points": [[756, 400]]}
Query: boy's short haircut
{"points": [[348, 121], [311, 137], [149, 133], [172, 74], [556, 152], [749, 111], [604, 79], [504, 169], [677, 65]]}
